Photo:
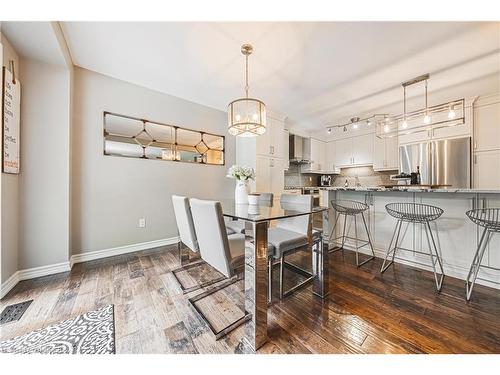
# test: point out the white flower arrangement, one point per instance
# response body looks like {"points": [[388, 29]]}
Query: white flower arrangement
{"points": [[241, 173]]}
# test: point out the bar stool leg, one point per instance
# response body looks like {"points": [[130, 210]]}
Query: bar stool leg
{"points": [[433, 247], [332, 233], [369, 242], [343, 231], [390, 249], [476, 263]]}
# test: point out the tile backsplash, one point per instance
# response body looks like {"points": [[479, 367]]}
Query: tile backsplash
{"points": [[362, 176], [356, 176]]}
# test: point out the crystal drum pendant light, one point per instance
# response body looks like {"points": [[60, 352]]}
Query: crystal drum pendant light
{"points": [[246, 116]]}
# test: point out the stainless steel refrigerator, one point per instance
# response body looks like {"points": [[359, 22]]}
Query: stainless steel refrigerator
{"points": [[444, 162]]}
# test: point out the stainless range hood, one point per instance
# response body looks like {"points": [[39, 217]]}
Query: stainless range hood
{"points": [[296, 150]]}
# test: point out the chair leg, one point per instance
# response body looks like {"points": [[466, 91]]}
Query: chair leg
{"points": [[476, 263], [391, 249], [282, 272], [230, 327], [433, 248], [270, 280]]}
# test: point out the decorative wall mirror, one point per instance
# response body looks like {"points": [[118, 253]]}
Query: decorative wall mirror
{"points": [[139, 138]]}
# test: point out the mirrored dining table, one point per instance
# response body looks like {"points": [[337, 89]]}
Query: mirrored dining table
{"points": [[257, 219]]}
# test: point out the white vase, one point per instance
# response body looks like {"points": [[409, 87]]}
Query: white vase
{"points": [[241, 192]]}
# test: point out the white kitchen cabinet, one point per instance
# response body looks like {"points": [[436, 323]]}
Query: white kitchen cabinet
{"points": [[362, 147], [269, 175], [343, 152], [272, 142], [385, 154], [487, 124], [267, 154], [354, 151], [331, 163], [487, 170]]}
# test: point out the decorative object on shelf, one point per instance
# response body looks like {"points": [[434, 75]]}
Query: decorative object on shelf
{"points": [[10, 109], [428, 118], [138, 138], [242, 175], [246, 116]]}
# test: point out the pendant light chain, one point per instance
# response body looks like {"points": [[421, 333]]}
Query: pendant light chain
{"points": [[246, 76]]}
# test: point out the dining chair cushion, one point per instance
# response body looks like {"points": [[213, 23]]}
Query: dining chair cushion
{"points": [[284, 240], [184, 220], [266, 199]]}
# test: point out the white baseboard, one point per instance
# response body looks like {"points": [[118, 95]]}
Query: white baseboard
{"points": [[32, 273], [9, 284], [52, 269], [119, 250]]}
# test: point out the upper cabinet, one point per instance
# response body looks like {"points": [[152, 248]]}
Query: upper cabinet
{"points": [[385, 154], [487, 123], [331, 161], [355, 151], [486, 142], [272, 142]]}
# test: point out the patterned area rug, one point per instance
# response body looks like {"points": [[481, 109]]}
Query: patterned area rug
{"points": [[90, 333]]}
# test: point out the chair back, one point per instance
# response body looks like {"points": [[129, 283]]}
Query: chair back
{"points": [[299, 224], [266, 199], [212, 236], [184, 220]]}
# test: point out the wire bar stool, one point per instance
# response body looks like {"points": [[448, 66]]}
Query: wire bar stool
{"points": [[351, 208], [489, 219], [420, 214]]}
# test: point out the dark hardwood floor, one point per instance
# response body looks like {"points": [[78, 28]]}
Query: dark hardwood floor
{"points": [[397, 312]]}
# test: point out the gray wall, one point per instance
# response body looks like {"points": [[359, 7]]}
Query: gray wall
{"points": [[44, 181], [110, 194], [9, 192]]}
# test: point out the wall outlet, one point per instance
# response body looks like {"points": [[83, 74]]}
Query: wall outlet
{"points": [[142, 223]]}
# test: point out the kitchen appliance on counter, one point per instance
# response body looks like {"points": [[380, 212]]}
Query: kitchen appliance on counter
{"points": [[440, 163], [325, 180]]}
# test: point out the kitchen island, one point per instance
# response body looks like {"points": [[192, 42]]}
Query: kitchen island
{"points": [[456, 236]]}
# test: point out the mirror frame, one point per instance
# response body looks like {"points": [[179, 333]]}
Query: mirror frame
{"points": [[174, 145]]}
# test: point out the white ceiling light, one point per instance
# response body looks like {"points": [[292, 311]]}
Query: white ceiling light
{"points": [[246, 116]]}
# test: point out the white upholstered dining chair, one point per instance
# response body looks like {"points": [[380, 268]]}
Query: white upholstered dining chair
{"points": [[289, 235], [188, 241], [225, 253]]}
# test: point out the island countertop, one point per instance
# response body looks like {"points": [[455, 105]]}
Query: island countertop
{"points": [[411, 189]]}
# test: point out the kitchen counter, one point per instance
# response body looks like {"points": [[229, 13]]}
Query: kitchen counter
{"points": [[410, 189], [456, 236]]}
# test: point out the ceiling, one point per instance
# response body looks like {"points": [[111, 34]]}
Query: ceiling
{"points": [[315, 73], [35, 40]]}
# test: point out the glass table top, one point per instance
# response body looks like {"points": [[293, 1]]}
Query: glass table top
{"points": [[257, 213]]}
